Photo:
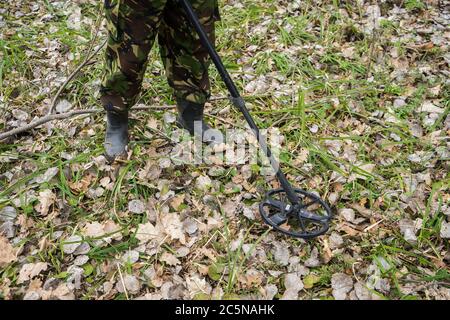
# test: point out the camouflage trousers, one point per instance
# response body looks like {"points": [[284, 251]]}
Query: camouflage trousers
{"points": [[133, 26]]}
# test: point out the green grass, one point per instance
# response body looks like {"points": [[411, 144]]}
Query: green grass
{"points": [[348, 99]]}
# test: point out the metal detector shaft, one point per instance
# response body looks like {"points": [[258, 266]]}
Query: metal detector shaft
{"points": [[237, 100]]}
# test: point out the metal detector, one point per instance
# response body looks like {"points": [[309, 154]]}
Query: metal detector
{"points": [[289, 210]]}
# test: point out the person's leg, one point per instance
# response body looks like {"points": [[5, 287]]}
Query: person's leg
{"points": [[186, 61], [132, 27]]}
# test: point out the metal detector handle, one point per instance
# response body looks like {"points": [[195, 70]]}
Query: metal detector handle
{"points": [[236, 98]]}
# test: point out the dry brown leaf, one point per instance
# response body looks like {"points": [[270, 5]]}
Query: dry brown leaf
{"points": [[342, 284], [196, 284], [62, 292], [176, 201], [46, 199], [111, 227], [24, 222], [83, 184], [349, 230], [293, 285], [327, 254], [35, 285], [30, 270], [301, 157], [170, 259], [247, 186], [173, 227], [147, 232], [252, 278], [93, 229], [7, 252], [366, 213], [423, 46]]}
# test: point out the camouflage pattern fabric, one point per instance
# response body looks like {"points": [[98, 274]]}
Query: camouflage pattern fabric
{"points": [[133, 26]]}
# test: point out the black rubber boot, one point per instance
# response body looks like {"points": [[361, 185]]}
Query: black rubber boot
{"points": [[190, 117], [116, 138]]}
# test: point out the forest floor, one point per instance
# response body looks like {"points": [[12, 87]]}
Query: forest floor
{"points": [[360, 92]]}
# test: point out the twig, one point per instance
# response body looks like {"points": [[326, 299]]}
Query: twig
{"points": [[354, 272], [203, 247], [65, 115], [225, 121], [71, 76], [123, 282], [247, 97], [373, 44], [48, 118], [164, 107], [283, 118], [373, 225], [219, 98]]}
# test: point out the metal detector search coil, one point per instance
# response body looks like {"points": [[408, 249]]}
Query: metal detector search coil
{"points": [[293, 212], [307, 219]]}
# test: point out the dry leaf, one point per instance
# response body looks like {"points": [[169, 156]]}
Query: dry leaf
{"points": [[445, 230], [136, 206], [190, 226], [71, 244], [293, 285], [170, 259], [407, 228], [30, 270], [341, 284], [270, 291], [196, 285], [131, 256], [46, 198], [48, 175], [252, 278], [327, 254], [62, 292], [93, 229], [63, 106], [348, 214], [176, 201], [348, 52], [313, 260], [7, 252], [147, 232], [429, 107], [281, 253], [203, 183], [132, 284], [349, 230], [366, 213], [82, 185], [173, 227], [8, 213], [110, 227]]}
